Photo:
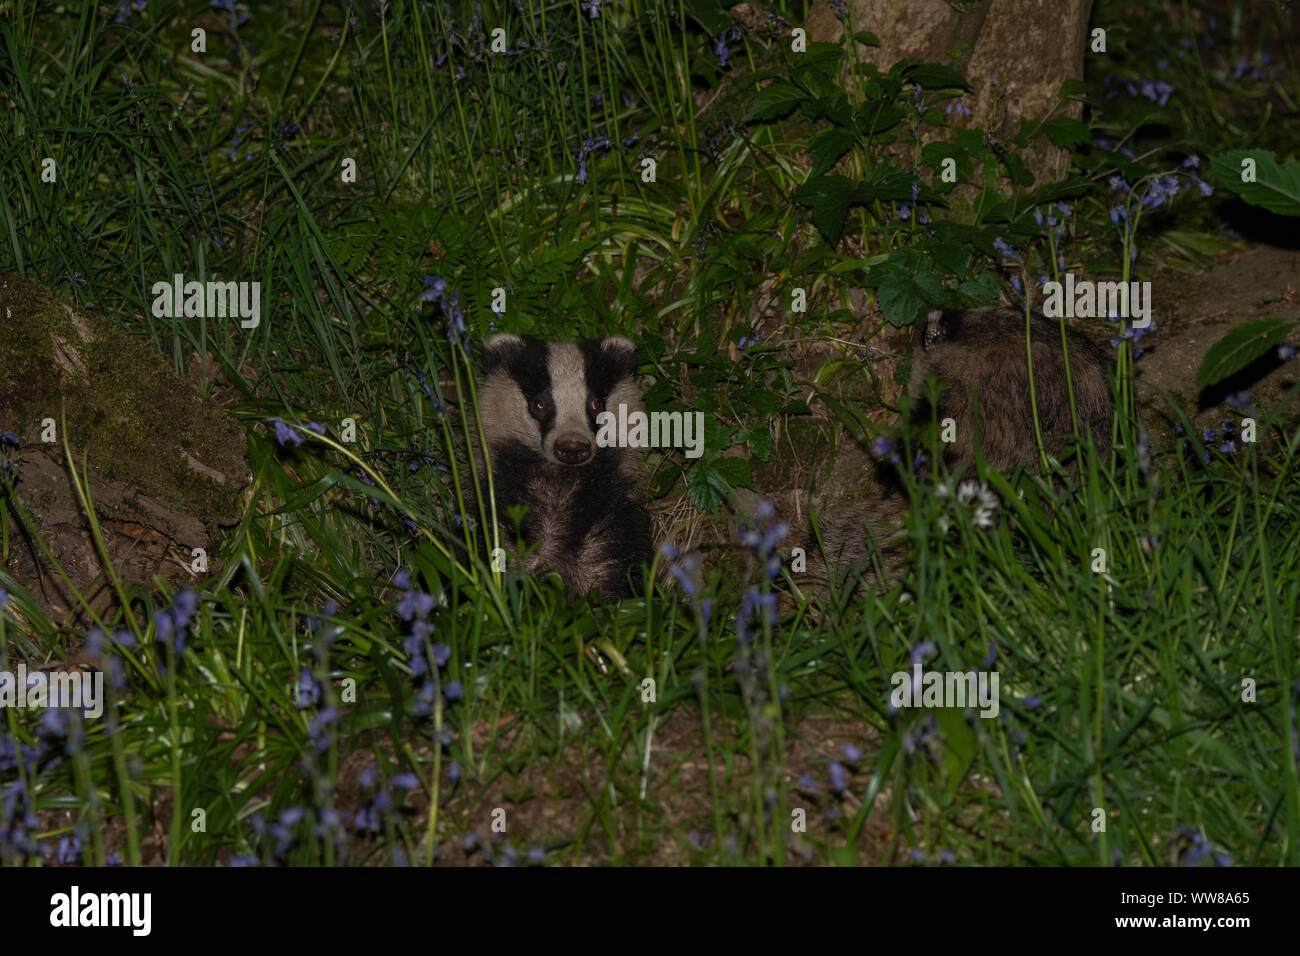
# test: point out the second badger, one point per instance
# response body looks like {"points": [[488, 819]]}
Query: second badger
{"points": [[584, 517]]}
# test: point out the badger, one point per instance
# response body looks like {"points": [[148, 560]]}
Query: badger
{"points": [[583, 512], [979, 359]]}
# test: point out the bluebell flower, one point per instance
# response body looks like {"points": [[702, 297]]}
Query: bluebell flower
{"points": [[923, 650], [285, 435], [309, 690], [839, 780]]}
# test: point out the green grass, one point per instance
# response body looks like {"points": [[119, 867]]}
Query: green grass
{"points": [[662, 729]]}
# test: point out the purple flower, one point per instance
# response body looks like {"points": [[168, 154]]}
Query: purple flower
{"points": [[721, 50], [839, 780], [285, 434], [1284, 352]]}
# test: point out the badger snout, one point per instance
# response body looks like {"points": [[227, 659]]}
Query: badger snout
{"points": [[573, 449]]}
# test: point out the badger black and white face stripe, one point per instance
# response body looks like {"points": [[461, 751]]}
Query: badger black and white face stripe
{"points": [[546, 395]]}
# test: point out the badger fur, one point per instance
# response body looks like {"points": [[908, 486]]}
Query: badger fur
{"points": [[979, 359], [584, 516]]}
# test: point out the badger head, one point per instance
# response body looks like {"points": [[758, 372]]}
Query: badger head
{"points": [[545, 396]]}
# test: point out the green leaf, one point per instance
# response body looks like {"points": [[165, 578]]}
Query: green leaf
{"points": [[902, 293], [1066, 133], [1072, 88], [828, 197], [775, 100], [1239, 347], [735, 472], [710, 15], [931, 77], [705, 489], [866, 38], [829, 146], [982, 290], [760, 444], [959, 748], [1276, 186], [1017, 171], [951, 257], [934, 154]]}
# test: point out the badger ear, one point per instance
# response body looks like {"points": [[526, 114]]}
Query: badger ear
{"points": [[621, 353], [498, 350]]}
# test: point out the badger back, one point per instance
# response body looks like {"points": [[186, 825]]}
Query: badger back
{"points": [[980, 356]]}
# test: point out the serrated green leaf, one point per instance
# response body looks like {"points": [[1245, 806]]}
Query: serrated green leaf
{"points": [[828, 146], [704, 489], [775, 100], [734, 471], [760, 444], [980, 291], [929, 76], [1276, 186], [902, 294], [1072, 88], [934, 154], [1065, 132], [1239, 347], [828, 197]]}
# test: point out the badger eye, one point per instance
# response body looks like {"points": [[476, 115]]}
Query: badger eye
{"points": [[593, 404], [540, 406]]}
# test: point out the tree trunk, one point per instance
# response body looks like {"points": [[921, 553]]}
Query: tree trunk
{"points": [[1014, 53]]}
